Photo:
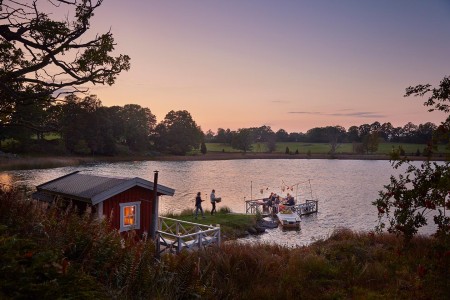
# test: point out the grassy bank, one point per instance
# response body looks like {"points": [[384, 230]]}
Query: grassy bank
{"points": [[232, 225], [44, 162], [26, 163], [49, 254]]}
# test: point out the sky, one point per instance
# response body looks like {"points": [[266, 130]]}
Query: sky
{"points": [[291, 64]]}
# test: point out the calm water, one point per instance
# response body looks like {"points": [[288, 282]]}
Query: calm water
{"points": [[344, 188]]}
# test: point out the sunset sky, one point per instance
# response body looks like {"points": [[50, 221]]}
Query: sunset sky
{"points": [[286, 64]]}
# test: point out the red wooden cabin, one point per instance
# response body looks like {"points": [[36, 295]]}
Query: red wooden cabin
{"points": [[128, 201]]}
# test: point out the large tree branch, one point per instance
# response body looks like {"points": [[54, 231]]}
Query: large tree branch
{"points": [[35, 47]]}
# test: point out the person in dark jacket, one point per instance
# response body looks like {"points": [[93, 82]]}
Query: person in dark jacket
{"points": [[198, 205], [290, 201]]}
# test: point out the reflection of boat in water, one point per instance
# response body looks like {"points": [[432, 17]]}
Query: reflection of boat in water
{"points": [[289, 219]]}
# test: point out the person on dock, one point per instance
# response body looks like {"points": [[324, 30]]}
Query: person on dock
{"points": [[276, 203], [290, 201], [198, 205], [213, 202]]}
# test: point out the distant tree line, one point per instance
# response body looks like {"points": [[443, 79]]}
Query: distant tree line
{"points": [[84, 126], [365, 137]]}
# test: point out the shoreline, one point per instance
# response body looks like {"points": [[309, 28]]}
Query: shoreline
{"points": [[44, 162]]}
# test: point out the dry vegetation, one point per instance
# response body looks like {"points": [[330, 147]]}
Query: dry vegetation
{"points": [[49, 253]]}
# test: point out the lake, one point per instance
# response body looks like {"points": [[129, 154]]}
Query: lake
{"points": [[344, 188]]}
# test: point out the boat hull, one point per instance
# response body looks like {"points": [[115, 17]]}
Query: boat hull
{"points": [[289, 220]]}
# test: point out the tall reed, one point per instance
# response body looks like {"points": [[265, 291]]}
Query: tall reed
{"points": [[46, 252]]}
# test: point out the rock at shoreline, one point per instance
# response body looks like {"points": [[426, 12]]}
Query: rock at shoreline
{"points": [[268, 224], [261, 227]]}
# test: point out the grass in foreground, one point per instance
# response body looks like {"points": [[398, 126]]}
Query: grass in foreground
{"points": [[52, 254]]}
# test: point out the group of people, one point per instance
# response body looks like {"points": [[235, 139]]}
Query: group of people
{"points": [[275, 201], [198, 203]]}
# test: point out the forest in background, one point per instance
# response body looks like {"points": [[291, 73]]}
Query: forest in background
{"points": [[83, 126]]}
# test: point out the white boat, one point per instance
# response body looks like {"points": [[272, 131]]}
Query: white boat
{"points": [[289, 219]]}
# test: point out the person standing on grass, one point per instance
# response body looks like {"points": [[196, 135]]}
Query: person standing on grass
{"points": [[198, 205], [213, 202]]}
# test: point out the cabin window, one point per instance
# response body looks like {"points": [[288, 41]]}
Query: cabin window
{"points": [[130, 216]]}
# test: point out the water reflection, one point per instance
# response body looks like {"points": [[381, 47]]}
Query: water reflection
{"points": [[6, 180], [345, 188]]}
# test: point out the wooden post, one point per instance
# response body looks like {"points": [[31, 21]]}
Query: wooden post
{"points": [[158, 247], [154, 214], [199, 236], [218, 233]]}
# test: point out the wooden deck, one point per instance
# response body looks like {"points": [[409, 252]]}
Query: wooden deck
{"points": [[258, 206], [174, 236]]}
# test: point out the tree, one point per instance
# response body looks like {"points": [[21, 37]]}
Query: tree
{"points": [[178, 133], [317, 135], [282, 135], [297, 137], [243, 139], [353, 134], [203, 149], [271, 142], [138, 124], [335, 136], [117, 123], [424, 133], [409, 132], [42, 58], [386, 131], [86, 126], [72, 124], [262, 134], [375, 126], [102, 139], [406, 200], [370, 142], [223, 136], [209, 136], [363, 130]]}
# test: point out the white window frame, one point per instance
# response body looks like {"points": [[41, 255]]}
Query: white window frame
{"points": [[124, 227]]}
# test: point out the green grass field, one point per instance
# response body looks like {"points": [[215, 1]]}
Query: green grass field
{"points": [[321, 148]]}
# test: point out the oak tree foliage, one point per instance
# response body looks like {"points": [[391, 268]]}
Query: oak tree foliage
{"points": [[177, 133], [46, 52]]}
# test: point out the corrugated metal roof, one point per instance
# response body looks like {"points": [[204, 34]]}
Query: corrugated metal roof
{"points": [[86, 187], [42, 196]]}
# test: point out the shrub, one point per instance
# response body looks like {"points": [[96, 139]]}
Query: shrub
{"points": [[203, 149], [224, 210]]}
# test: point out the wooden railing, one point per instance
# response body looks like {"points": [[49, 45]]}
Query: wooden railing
{"points": [[309, 207], [254, 206], [174, 235]]}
